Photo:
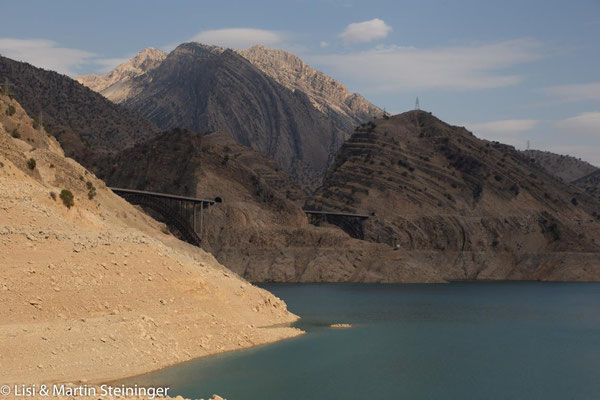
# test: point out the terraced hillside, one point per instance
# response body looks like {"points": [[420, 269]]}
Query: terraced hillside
{"points": [[484, 208]]}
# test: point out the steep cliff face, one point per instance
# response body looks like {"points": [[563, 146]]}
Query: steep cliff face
{"points": [[116, 84], [205, 88], [331, 97], [84, 122], [435, 188], [565, 167]]}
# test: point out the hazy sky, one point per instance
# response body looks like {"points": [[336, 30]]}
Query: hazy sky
{"points": [[509, 70]]}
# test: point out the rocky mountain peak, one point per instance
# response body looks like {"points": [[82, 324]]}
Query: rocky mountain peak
{"points": [[325, 93], [145, 60], [114, 85]]}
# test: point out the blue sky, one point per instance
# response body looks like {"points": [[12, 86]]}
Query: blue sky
{"points": [[511, 71]]}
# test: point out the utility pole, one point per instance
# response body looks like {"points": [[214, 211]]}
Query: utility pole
{"points": [[417, 106], [528, 145]]}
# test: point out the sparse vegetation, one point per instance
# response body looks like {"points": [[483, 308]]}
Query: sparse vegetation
{"points": [[11, 110], [53, 196], [574, 201], [91, 190], [31, 164], [67, 198], [15, 133], [225, 160]]}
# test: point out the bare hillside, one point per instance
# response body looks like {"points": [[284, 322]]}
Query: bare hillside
{"points": [[565, 167], [95, 286]]}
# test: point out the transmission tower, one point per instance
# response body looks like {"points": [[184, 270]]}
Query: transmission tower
{"points": [[528, 145], [417, 107]]}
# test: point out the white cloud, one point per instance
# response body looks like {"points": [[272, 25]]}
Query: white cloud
{"points": [[364, 32], [239, 38], [323, 44], [45, 54], [571, 93], [582, 125], [504, 131], [393, 68]]}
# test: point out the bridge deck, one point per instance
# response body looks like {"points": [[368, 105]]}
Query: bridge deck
{"points": [[338, 214], [163, 195]]}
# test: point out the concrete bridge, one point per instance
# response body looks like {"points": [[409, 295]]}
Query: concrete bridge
{"points": [[178, 212], [352, 224]]}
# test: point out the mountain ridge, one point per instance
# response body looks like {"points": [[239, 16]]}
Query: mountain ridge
{"points": [[433, 187], [84, 122], [567, 168], [115, 84], [205, 88]]}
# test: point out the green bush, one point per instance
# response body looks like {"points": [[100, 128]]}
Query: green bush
{"points": [[31, 163], [11, 110], [67, 198]]}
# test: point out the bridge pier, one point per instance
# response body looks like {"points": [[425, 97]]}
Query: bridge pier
{"points": [[178, 212]]}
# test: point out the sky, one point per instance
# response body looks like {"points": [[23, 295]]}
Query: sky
{"points": [[512, 71]]}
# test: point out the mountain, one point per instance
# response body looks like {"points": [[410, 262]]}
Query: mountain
{"points": [[565, 167], [590, 183], [115, 85], [84, 270], [268, 99], [84, 122], [331, 97], [472, 209], [206, 88], [259, 229]]}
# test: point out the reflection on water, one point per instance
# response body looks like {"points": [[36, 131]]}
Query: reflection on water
{"points": [[455, 341]]}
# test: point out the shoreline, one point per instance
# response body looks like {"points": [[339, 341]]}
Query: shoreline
{"points": [[115, 381]]}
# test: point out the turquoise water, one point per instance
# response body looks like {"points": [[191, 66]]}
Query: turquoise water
{"points": [[454, 341]]}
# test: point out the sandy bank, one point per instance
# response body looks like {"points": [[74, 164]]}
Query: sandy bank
{"points": [[97, 291]]}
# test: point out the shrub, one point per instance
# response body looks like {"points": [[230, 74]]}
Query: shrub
{"points": [[574, 201], [15, 133], [11, 110], [225, 160], [91, 190], [67, 198], [31, 163], [53, 196], [36, 124]]}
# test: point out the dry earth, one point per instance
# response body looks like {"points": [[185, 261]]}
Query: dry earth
{"points": [[97, 292]]}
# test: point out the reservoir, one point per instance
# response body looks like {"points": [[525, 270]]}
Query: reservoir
{"points": [[463, 340]]}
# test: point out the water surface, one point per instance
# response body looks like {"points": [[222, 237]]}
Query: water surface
{"points": [[454, 341]]}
